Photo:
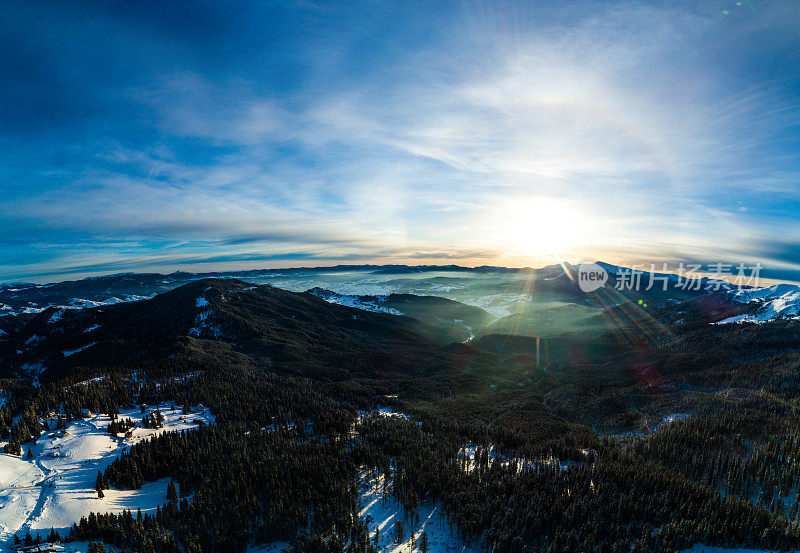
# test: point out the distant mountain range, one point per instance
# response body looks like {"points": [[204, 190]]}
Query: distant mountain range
{"points": [[92, 291], [140, 318], [456, 303]]}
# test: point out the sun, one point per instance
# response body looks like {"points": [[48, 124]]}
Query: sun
{"points": [[544, 226]]}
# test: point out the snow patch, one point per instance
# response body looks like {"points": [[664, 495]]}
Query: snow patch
{"points": [[55, 317], [781, 301], [357, 302], [203, 327], [67, 353], [33, 368], [381, 511], [80, 303]]}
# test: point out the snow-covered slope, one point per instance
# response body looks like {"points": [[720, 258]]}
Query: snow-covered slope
{"points": [[781, 301], [354, 301], [381, 512], [55, 488]]}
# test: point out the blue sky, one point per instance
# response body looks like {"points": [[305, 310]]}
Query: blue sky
{"points": [[198, 136]]}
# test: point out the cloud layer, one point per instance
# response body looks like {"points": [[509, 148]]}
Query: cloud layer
{"points": [[219, 135]]}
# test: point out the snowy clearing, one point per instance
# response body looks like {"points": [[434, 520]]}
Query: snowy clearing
{"points": [[55, 488]]}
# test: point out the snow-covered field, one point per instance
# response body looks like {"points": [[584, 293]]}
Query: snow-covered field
{"points": [[55, 488]]}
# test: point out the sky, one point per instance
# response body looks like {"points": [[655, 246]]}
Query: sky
{"points": [[157, 136]]}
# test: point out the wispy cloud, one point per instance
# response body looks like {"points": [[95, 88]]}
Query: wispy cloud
{"points": [[260, 134]]}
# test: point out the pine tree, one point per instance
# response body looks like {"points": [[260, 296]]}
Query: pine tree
{"points": [[13, 447], [100, 484], [423, 543], [172, 493], [399, 532]]}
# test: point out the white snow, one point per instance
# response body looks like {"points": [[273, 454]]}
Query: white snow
{"points": [[740, 319], [91, 328], [56, 487], [203, 327], [468, 453], [384, 512], [90, 381], [69, 352], [391, 413], [75, 303], [669, 419], [781, 301], [201, 302], [675, 417], [55, 317], [356, 302], [766, 293], [81, 303]]}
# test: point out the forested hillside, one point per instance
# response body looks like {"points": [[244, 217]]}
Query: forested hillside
{"points": [[651, 437]]}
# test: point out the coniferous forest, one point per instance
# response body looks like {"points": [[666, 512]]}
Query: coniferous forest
{"points": [[283, 457]]}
